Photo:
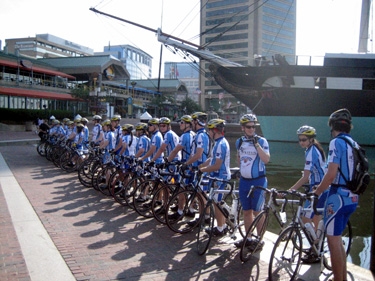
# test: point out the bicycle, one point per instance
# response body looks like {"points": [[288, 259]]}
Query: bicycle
{"points": [[253, 241], [232, 214], [286, 255]]}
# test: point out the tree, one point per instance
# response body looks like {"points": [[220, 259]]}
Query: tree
{"points": [[189, 106]]}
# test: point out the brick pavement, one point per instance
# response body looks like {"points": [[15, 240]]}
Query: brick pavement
{"points": [[101, 240]]}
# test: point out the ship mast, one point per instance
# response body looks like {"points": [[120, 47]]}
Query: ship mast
{"points": [[186, 46], [364, 26]]}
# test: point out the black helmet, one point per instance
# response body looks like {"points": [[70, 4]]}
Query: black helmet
{"points": [[340, 116]]}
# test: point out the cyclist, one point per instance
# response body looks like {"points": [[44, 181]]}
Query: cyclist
{"points": [[170, 140], [156, 142], [129, 142], [86, 130], [313, 173], [201, 146], [143, 144], [218, 166], [97, 131], [184, 145], [341, 202], [252, 156], [115, 123]]}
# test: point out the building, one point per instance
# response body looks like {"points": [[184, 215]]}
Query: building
{"points": [[137, 62], [247, 32], [46, 46], [188, 73]]}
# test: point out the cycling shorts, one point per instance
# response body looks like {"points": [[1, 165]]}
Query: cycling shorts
{"points": [[256, 201]]}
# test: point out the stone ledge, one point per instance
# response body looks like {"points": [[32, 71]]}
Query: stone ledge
{"points": [[12, 128]]}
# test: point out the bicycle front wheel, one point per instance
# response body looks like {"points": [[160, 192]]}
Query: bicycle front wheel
{"points": [[347, 237], [205, 229], [286, 257], [192, 205], [252, 242]]}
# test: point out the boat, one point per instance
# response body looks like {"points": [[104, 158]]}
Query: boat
{"points": [[285, 96]]}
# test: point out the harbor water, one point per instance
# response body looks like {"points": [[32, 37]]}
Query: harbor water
{"points": [[284, 169]]}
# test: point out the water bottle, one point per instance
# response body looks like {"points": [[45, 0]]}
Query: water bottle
{"points": [[234, 209], [320, 230], [225, 208], [283, 217], [311, 230]]}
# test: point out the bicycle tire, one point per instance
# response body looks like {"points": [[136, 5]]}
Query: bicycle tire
{"points": [[120, 195], [97, 177], [240, 221], [285, 258], [130, 188], [205, 233], [160, 201], [146, 189], [347, 239], [107, 172], [41, 148], [261, 222], [185, 224], [85, 172]]}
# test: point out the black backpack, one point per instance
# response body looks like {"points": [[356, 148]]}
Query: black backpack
{"points": [[361, 178]]}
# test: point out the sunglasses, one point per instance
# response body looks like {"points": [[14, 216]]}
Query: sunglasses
{"points": [[182, 123], [250, 127], [150, 125], [302, 140]]}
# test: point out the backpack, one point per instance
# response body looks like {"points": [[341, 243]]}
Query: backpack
{"points": [[361, 178]]}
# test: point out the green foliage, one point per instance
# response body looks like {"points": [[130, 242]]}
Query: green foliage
{"points": [[81, 93], [190, 105]]}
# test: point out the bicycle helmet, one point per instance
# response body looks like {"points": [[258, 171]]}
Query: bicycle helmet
{"points": [[69, 123], [165, 120], [307, 131], [55, 122], [186, 119], [201, 117], [248, 118], [84, 120], [216, 123], [80, 125], [65, 120], [77, 120], [106, 122], [128, 127], [342, 115], [153, 121], [97, 117], [141, 126], [116, 118]]}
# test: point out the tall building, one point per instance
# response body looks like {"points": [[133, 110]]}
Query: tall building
{"points": [[247, 32], [46, 46], [185, 72], [137, 62]]}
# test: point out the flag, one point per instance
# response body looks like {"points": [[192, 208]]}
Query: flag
{"points": [[198, 91]]}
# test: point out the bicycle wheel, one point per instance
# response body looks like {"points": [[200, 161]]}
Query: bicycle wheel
{"points": [[240, 221], [85, 172], [142, 197], [105, 188], [347, 238], [98, 177], [205, 229], [285, 258], [118, 192], [253, 243], [41, 148], [192, 211], [129, 190], [160, 201]]}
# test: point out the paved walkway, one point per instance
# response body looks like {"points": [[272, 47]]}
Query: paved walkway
{"points": [[52, 228]]}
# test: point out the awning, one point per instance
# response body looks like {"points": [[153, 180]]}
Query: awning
{"points": [[38, 69], [35, 94]]}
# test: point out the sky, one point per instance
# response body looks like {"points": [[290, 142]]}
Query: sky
{"points": [[323, 26]]}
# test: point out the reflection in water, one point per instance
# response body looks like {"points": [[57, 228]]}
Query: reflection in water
{"points": [[284, 169]]}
